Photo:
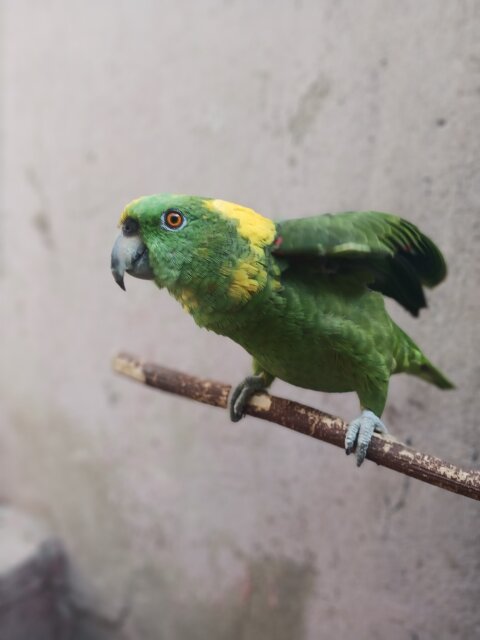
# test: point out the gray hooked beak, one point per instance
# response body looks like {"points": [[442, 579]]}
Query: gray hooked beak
{"points": [[130, 255]]}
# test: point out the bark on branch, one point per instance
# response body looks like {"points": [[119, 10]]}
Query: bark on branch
{"points": [[383, 450]]}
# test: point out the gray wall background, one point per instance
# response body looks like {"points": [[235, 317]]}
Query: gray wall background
{"points": [[181, 525]]}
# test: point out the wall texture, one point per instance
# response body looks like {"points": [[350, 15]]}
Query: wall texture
{"points": [[182, 526]]}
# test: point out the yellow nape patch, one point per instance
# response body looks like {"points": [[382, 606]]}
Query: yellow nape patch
{"points": [[247, 278], [252, 226]]}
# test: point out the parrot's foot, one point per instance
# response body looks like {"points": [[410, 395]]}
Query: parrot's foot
{"points": [[242, 394], [360, 432]]}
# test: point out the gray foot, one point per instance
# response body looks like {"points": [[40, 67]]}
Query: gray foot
{"points": [[242, 394], [360, 432]]}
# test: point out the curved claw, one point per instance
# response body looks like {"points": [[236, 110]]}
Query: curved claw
{"points": [[242, 394], [360, 433]]}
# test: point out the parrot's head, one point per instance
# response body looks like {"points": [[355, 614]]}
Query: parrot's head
{"points": [[193, 246]]}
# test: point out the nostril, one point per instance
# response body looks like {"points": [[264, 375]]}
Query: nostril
{"points": [[129, 227]]}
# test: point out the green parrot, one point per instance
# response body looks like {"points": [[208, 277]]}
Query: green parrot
{"points": [[304, 297]]}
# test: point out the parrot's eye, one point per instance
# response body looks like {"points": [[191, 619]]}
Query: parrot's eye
{"points": [[130, 227], [173, 220]]}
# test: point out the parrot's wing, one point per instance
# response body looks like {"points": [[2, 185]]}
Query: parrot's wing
{"points": [[397, 258]]}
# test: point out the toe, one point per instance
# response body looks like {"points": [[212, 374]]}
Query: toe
{"points": [[364, 437], [237, 406], [235, 416], [362, 445], [236, 402], [351, 436], [237, 410]]}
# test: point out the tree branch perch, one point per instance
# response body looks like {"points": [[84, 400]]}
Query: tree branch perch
{"points": [[383, 450]]}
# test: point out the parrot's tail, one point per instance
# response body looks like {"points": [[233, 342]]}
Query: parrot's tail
{"points": [[410, 359], [431, 374]]}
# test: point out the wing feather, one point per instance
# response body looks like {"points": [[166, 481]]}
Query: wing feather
{"points": [[400, 259]]}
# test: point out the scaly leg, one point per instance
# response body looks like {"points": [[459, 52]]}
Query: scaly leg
{"points": [[246, 389], [360, 432]]}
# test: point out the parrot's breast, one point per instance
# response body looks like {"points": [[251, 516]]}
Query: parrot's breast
{"points": [[316, 336]]}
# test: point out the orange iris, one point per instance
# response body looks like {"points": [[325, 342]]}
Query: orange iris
{"points": [[173, 219]]}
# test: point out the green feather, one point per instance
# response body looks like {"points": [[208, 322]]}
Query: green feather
{"points": [[390, 253], [304, 297]]}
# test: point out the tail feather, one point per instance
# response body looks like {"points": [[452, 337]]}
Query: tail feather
{"points": [[410, 359], [431, 374]]}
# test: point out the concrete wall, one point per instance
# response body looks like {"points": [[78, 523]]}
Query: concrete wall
{"points": [[181, 525]]}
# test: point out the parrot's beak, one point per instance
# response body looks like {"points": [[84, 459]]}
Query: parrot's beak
{"points": [[129, 254]]}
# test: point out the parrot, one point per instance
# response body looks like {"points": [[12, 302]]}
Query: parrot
{"points": [[304, 297]]}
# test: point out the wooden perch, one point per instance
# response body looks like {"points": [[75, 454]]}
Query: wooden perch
{"points": [[383, 450]]}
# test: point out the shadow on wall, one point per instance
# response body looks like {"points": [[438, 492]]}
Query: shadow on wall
{"points": [[37, 598], [269, 602]]}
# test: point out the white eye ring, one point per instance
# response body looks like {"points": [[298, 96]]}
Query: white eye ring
{"points": [[173, 220]]}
